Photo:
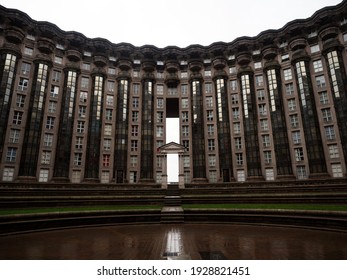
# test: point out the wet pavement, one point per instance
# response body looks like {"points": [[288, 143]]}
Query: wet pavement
{"points": [[179, 241]]}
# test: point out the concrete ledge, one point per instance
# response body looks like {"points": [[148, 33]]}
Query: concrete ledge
{"points": [[322, 220]]}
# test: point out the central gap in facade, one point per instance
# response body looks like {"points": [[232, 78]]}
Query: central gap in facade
{"points": [[172, 135]]}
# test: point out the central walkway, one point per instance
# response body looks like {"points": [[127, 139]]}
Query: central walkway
{"points": [[179, 241]]}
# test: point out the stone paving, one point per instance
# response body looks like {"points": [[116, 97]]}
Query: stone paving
{"points": [[177, 241]]}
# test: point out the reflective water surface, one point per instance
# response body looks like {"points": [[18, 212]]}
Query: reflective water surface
{"points": [[182, 241]]}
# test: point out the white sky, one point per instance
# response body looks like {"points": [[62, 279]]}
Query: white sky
{"points": [[162, 23]]}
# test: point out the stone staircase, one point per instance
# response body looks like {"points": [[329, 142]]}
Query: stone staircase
{"points": [[172, 211]]}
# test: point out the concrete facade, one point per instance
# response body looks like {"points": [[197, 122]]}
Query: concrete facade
{"points": [[270, 107]]}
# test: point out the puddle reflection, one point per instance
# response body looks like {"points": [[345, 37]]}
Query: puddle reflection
{"points": [[184, 241]]}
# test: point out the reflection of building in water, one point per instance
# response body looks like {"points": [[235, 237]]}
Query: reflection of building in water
{"points": [[267, 107], [174, 243]]}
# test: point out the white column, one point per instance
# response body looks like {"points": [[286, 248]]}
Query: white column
{"points": [[180, 171], [164, 173]]}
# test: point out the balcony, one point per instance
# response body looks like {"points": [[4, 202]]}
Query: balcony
{"points": [[45, 45], [172, 66], [100, 61], [270, 53], [244, 58], [73, 55], [14, 35], [124, 64], [298, 44], [195, 66], [172, 80], [219, 63]]}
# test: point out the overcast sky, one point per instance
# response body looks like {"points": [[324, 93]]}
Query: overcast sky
{"points": [[163, 23]]}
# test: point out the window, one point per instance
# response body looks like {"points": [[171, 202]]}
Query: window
{"points": [[259, 81], [47, 140], [184, 75], [186, 161], [294, 120], [287, 74], [184, 103], [185, 117], [106, 160], [185, 131], [86, 66], [320, 81], [135, 116], [301, 172], [261, 95], [56, 76], [266, 140], [77, 160], [84, 96], [232, 70], [236, 113], [160, 89], [23, 84], [160, 103], [17, 117], [160, 131], [323, 97], [25, 68], [210, 143], [109, 100], [43, 176], [58, 60], [136, 89], [289, 89], [14, 135], [133, 161], [135, 102], [111, 71], [264, 125], [267, 157], [160, 117], [133, 146], [237, 128], [134, 130], [85, 82], [209, 114], [110, 86], [317, 66], [285, 57], [212, 176], [185, 143], [233, 85], [50, 122], [79, 142], [210, 129], [208, 88], [239, 158], [28, 51], [11, 154], [172, 91], [209, 102], [296, 136], [262, 109], [136, 73], [326, 115], [108, 114], [330, 132], [82, 111], [315, 49], [20, 100], [291, 104], [159, 143], [257, 65], [299, 154], [333, 151], [211, 160], [8, 174], [207, 73], [184, 89], [46, 157], [54, 91], [80, 126], [52, 106], [238, 143], [108, 129]]}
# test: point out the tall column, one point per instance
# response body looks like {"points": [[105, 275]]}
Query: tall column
{"points": [[164, 174], [147, 129], [121, 134], [198, 136], [32, 136], [7, 73], [180, 171], [223, 127], [63, 154], [314, 145], [94, 130], [278, 122]]}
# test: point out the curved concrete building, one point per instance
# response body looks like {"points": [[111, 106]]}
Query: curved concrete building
{"points": [[270, 107]]}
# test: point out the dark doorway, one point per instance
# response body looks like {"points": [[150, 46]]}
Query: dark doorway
{"points": [[172, 108]]}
